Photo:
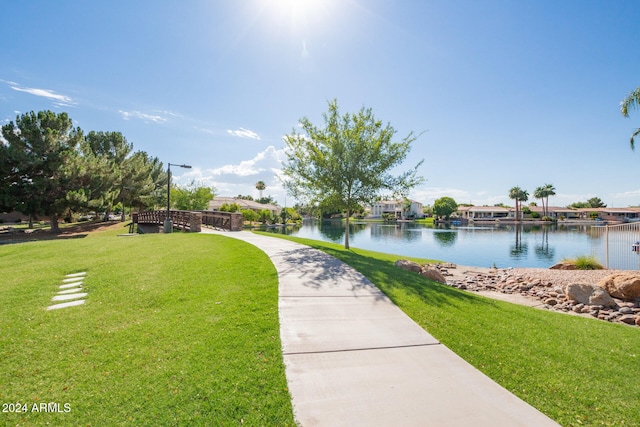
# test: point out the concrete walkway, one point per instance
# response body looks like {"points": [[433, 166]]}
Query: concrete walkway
{"points": [[353, 358]]}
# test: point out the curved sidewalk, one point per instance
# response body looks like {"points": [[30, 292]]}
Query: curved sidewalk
{"points": [[353, 358]]}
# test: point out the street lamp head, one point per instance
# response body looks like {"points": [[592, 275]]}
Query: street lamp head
{"points": [[180, 166]]}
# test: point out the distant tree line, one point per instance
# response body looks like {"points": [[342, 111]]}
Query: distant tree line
{"points": [[593, 202], [50, 168]]}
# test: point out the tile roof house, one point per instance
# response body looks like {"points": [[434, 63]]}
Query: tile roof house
{"points": [[484, 212], [489, 213], [217, 203]]}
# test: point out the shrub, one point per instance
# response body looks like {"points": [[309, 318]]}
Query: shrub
{"points": [[264, 215], [547, 218], [249, 215], [585, 262], [535, 215]]}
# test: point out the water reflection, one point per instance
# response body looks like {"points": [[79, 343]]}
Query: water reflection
{"points": [[519, 249], [542, 248], [502, 245], [445, 238], [396, 231]]}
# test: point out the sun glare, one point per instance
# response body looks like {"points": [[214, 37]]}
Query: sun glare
{"points": [[297, 15]]}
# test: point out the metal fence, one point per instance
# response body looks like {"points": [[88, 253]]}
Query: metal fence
{"points": [[617, 246]]}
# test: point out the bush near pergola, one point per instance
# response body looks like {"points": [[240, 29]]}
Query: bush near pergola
{"points": [[346, 163]]}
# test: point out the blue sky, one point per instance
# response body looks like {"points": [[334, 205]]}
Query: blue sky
{"points": [[506, 93]]}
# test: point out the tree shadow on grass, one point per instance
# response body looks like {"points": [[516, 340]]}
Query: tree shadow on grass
{"points": [[394, 281], [75, 231], [37, 237]]}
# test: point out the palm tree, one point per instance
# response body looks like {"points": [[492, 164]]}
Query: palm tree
{"points": [[543, 194], [514, 193], [631, 101], [539, 193], [519, 195], [260, 185], [523, 196], [549, 190]]}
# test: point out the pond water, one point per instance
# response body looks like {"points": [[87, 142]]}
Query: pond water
{"points": [[484, 246]]}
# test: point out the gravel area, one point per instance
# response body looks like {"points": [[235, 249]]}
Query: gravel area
{"points": [[563, 277]]}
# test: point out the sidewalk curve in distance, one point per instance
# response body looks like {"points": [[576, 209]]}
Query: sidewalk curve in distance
{"points": [[353, 358]]}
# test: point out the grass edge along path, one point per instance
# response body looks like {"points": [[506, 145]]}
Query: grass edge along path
{"points": [[177, 329], [578, 371]]}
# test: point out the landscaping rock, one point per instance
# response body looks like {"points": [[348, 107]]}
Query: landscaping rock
{"points": [[433, 274], [589, 294], [563, 266], [625, 310], [628, 319], [571, 291], [408, 265], [625, 286]]}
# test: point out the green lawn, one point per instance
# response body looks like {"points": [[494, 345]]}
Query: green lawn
{"points": [[182, 329], [579, 371], [177, 329]]}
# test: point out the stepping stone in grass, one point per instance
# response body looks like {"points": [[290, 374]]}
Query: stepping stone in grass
{"points": [[70, 291], [70, 285], [82, 273], [66, 304], [69, 296]]}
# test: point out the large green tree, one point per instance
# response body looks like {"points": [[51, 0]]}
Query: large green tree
{"points": [[109, 152], [632, 101], [347, 162], [148, 178], [445, 206], [46, 171], [119, 175], [193, 197], [8, 177], [48, 167]]}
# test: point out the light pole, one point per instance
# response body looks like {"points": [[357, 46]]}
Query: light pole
{"points": [[168, 225]]}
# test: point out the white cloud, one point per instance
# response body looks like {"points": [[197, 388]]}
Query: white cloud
{"points": [[156, 118], [269, 160], [45, 93], [244, 133], [241, 177]]}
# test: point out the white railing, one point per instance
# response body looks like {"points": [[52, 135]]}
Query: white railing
{"points": [[617, 246]]}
